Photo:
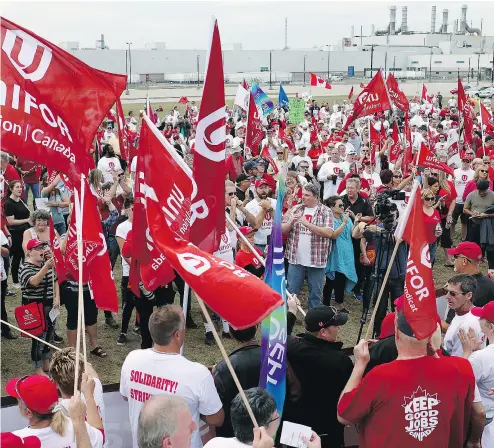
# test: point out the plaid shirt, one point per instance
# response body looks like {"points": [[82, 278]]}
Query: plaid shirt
{"points": [[319, 245]]}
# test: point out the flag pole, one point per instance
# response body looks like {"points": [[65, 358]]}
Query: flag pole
{"points": [[227, 361], [482, 128], [383, 286], [30, 335], [256, 254], [185, 308]]}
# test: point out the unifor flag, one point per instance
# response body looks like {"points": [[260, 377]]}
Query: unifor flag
{"points": [[255, 132], [282, 97], [374, 98], [208, 276], [486, 118], [261, 99], [428, 160], [242, 97], [183, 100], [395, 148], [316, 81], [209, 151], [350, 94], [425, 97], [453, 153], [266, 156], [362, 85], [274, 327], [96, 267], [419, 307], [397, 96], [52, 103]]}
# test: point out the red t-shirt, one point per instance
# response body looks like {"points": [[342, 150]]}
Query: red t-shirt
{"points": [[230, 168], [450, 197], [314, 155], [248, 259], [430, 223], [416, 403], [34, 170]]}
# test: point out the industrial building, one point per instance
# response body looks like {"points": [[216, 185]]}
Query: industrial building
{"points": [[450, 46]]}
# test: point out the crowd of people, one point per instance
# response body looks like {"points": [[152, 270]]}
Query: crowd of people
{"points": [[343, 200]]}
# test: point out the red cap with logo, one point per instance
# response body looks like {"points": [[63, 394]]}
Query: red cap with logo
{"points": [[246, 230], [485, 312], [467, 249], [37, 392], [34, 243], [260, 182]]}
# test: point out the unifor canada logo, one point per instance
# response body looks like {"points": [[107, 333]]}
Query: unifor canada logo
{"points": [[29, 57], [421, 414], [212, 128]]}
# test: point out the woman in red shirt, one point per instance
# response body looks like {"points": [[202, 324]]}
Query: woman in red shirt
{"points": [[245, 258], [432, 221], [314, 152]]}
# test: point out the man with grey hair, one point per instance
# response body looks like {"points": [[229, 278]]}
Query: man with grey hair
{"points": [[309, 227], [161, 370], [165, 421]]}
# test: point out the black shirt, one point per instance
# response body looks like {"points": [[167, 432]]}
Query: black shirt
{"points": [[485, 290], [361, 205], [241, 194], [18, 210]]}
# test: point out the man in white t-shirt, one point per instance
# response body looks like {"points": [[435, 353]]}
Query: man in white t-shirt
{"points": [[162, 370], [370, 175], [460, 290], [462, 175], [127, 295], [302, 155], [109, 163], [331, 173], [62, 370], [262, 207]]}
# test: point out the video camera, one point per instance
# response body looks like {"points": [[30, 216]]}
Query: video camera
{"points": [[387, 211]]}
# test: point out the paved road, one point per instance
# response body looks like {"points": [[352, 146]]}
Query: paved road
{"points": [[172, 94]]}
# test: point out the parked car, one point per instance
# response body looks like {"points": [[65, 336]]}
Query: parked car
{"points": [[455, 90], [473, 91], [486, 92]]}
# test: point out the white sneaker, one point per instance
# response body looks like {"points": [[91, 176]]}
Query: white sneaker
{"points": [[16, 285]]}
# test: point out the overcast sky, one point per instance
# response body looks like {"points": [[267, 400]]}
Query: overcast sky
{"points": [[256, 25]]}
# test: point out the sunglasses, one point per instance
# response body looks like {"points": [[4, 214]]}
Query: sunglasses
{"points": [[304, 167], [338, 205], [280, 153], [454, 293], [435, 174], [231, 194], [430, 198], [367, 163], [397, 176], [483, 171]]}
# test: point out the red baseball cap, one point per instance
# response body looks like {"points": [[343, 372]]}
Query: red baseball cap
{"points": [[260, 182], [468, 249], [38, 392], [10, 440], [388, 325], [246, 230], [35, 243], [485, 312]]}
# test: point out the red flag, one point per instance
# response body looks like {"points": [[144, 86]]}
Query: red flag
{"points": [[318, 82], [350, 94], [121, 128], [429, 160], [397, 96], [362, 85], [111, 115], [374, 98], [211, 278], [101, 282], [287, 139], [183, 100], [58, 260], [266, 156], [395, 149], [154, 153], [486, 118], [245, 85], [462, 98], [408, 157], [53, 102], [420, 298], [254, 133], [425, 97], [88, 218], [209, 152]]}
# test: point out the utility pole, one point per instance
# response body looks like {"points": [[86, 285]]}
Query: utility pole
{"points": [[492, 71], [329, 54], [270, 70], [361, 35], [304, 68], [478, 69], [372, 59], [385, 61], [198, 77], [468, 78], [127, 71], [130, 64], [394, 64], [430, 66]]}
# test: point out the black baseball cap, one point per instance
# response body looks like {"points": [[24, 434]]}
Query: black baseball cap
{"points": [[403, 325], [323, 317], [241, 177]]}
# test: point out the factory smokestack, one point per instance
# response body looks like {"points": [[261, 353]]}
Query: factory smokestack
{"points": [[433, 20], [404, 19], [463, 20], [392, 19], [444, 28]]}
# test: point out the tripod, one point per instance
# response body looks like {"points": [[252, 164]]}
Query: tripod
{"points": [[384, 243]]}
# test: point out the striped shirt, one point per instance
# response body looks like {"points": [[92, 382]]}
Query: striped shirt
{"points": [[32, 293]]}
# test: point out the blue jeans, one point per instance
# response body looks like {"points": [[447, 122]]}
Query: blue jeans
{"points": [[60, 228], [432, 252], [315, 277], [35, 190]]}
